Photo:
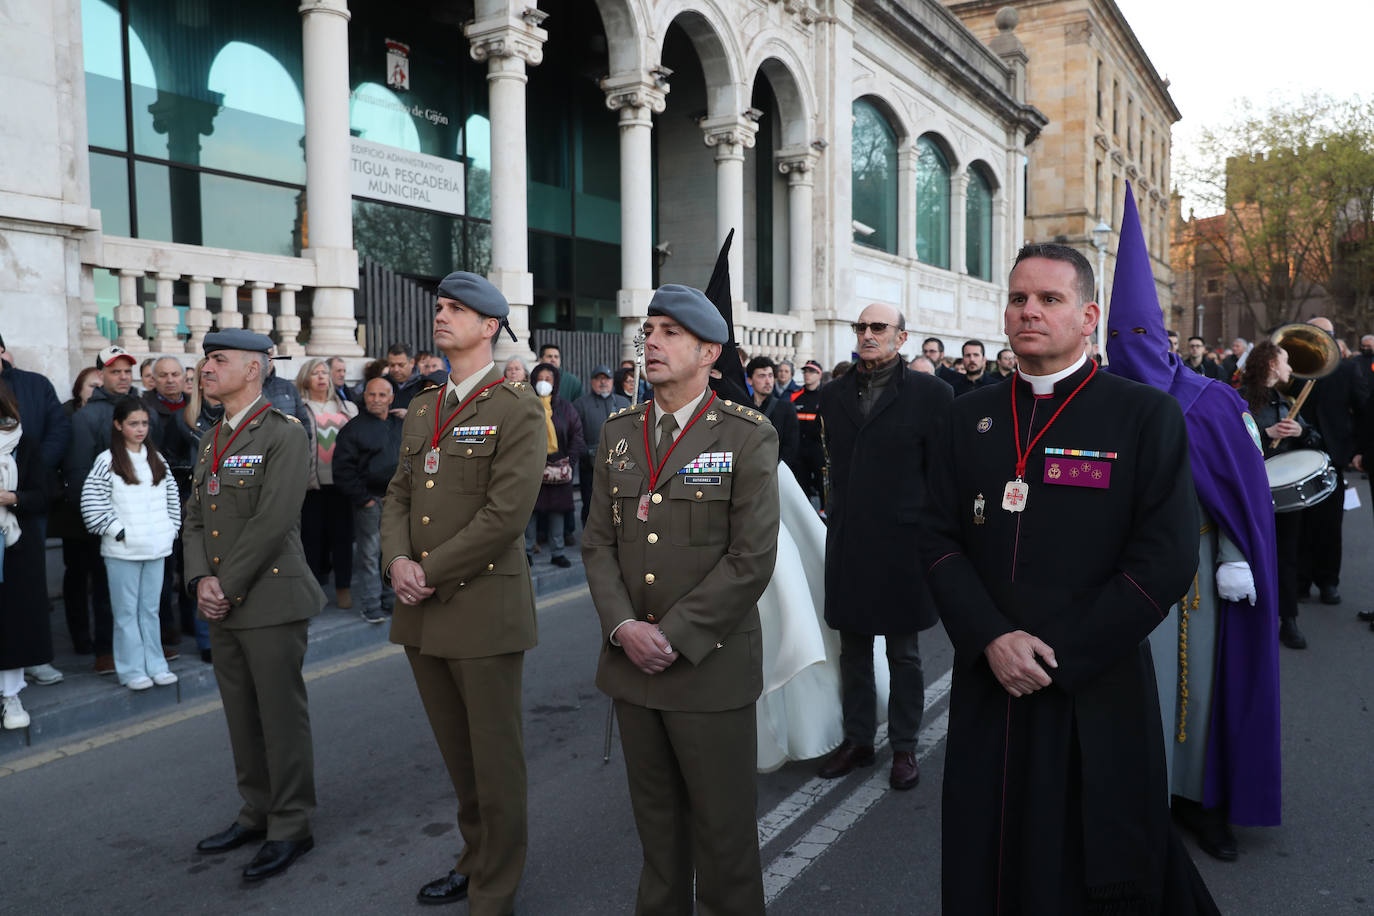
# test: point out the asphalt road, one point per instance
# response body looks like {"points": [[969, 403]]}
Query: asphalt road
{"points": [[109, 823]]}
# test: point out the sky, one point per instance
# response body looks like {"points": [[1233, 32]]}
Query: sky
{"points": [[1216, 51]]}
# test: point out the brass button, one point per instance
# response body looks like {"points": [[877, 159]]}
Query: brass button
{"points": [[652, 538], [240, 484], [214, 534], [615, 490], [424, 554], [462, 585], [468, 452], [699, 494], [214, 559], [720, 645], [424, 520], [490, 567], [658, 498], [650, 616], [429, 485], [648, 578], [275, 570], [238, 600], [213, 507]]}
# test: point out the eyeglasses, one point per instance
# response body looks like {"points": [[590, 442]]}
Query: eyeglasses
{"points": [[877, 326]]}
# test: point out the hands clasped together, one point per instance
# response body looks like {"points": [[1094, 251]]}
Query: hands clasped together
{"points": [[646, 646], [1013, 658]]}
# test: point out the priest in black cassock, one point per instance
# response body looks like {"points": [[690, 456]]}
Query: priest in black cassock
{"points": [[1062, 527]]}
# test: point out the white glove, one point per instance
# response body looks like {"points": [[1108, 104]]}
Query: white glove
{"points": [[1235, 582]]}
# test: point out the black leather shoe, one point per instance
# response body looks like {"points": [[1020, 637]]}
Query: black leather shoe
{"points": [[451, 888], [562, 562], [233, 838], [1217, 840], [1366, 616], [1330, 594], [905, 772], [1290, 635], [275, 857], [845, 758]]}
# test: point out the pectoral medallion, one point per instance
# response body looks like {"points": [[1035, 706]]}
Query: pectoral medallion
{"points": [[432, 461], [978, 506], [212, 485], [1014, 496], [643, 512]]}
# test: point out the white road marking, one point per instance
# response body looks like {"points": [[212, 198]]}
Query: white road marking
{"points": [[787, 867], [786, 812]]}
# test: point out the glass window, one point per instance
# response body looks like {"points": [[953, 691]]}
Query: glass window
{"points": [[110, 193], [477, 143], [260, 128], [154, 200], [978, 226], [932, 204], [104, 61], [874, 178], [416, 242], [376, 113], [598, 279], [250, 215]]}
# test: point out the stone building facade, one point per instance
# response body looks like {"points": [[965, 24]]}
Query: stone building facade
{"points": [[169, 166], [1110, 120]]}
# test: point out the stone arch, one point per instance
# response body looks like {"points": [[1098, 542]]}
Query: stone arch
{"points": [[714, 41], [940, 138], [625, 23], [989, 173], [796, 104], [892, 112]]}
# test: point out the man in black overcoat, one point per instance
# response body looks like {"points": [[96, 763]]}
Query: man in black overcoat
{"points": [[1063, 525], [882, 424]]}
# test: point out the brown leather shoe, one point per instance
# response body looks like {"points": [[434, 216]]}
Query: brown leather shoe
{"points": [[905, 772], [104, 664], [844, 759]]}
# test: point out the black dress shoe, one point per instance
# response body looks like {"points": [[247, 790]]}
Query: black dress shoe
{"points": [[905, 772], [233, 838], [562, 562], [1330, 594], [451, 888], [275, 857], [1217, 840], [1290, 635], [845, 758], [1366, 616]]}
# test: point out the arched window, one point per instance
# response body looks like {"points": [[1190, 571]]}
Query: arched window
{"points": [[261, 121], [932, 204], [378, 114], [978, 225], [874, 179]]}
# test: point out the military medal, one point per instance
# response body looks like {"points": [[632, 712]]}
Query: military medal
{"points": [[212, 485], [1016, 491], [432, 461], [642, 513], [978, 505], [217, 453], [615, 513]]}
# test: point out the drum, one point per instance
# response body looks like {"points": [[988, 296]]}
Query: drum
{"points": [[1299, 479]]}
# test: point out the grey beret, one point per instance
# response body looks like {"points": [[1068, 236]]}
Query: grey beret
{"points": [[690, 308], [237, 339], [476, 292]]}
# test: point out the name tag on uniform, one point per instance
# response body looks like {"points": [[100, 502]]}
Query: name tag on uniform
{"points": [[710, 463], [1076, 472], [702, 480]]}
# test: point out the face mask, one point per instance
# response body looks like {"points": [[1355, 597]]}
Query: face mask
{"points": [[543, 388]]}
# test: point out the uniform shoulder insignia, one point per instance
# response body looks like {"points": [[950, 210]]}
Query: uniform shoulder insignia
{"points": [[514, 387], [293, 419], [283, 414], [431, 384], [744, 413]]}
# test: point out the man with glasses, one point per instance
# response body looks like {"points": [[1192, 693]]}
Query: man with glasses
{"points": [[1197, 358], [933, 349], [882, 425]]}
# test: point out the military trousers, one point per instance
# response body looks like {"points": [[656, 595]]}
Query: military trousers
{"points": [[474, 708], [263, 691], [693, 791]]}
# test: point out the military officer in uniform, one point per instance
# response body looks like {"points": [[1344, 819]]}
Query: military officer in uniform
{"points": [[679, 545], [453, 523], [245, 565]]}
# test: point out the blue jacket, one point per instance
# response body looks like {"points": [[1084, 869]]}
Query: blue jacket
{"points": [[41, 413]]}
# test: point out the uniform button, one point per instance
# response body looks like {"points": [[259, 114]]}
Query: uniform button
{"points": [[213, 507], [462, 585], [699, 494], [468, 452], [240, 484], [648, 578], [275, 570], [424, 554], [615, 490], [429, 485], [214, 559], [720, 645], [214, 534], [490, 567], [652, 538], [424, 520], [658, 498], [650, 617], [238, 600]]}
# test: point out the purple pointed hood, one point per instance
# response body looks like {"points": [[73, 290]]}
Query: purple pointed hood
{"points": [[1243, 769]]}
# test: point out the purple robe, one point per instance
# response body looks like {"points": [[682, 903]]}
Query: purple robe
{"points": [[1243, 747]]}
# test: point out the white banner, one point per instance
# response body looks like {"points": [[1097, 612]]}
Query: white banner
{"points": [[398, 176]]}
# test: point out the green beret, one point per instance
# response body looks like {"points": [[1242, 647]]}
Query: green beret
{"points": [[690, 308]]}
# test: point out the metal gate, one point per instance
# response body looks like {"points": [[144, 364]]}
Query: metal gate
{"points": [[582, 351], [393, 308]]}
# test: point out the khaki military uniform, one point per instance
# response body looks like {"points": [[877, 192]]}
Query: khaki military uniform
{"points": [[464, 525], [696, 568], [248, 535]]}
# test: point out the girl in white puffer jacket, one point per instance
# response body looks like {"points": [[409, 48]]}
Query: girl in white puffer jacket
{"points": [[130, 499]]}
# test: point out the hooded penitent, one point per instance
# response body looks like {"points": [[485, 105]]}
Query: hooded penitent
{"points": [[1243, 767]]}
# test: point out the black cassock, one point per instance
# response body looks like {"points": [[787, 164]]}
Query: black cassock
{"points": [[1055, 803]]}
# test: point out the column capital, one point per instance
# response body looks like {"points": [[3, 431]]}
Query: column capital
{"points": [[125, 272], [730, 135], [797, 163], [508, 37], [629, 92], [331, 7]]}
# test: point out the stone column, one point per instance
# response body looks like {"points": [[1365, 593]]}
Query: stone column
{"points": [[129, 314], [730, 136], [198, 317], [329, 202], [165, 316], [636, 97], [907, 158], [288, 323], [229, 315], [508, 45], [259, 322], [958, 213], [798, 166]]}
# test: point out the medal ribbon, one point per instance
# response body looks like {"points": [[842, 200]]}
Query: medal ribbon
{"points": [[219, 452], [1016, 421], [434, 443], [655, 471]]}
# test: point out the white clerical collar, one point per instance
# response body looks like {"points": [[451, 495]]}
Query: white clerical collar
{"points": [[1044, 384], [464, 388], [683, 414]]}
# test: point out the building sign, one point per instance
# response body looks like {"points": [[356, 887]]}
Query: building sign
{"points": [[398, 176], [397, 64]]}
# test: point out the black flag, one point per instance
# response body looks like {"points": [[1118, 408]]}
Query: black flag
{"points": [[732, 384]]}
